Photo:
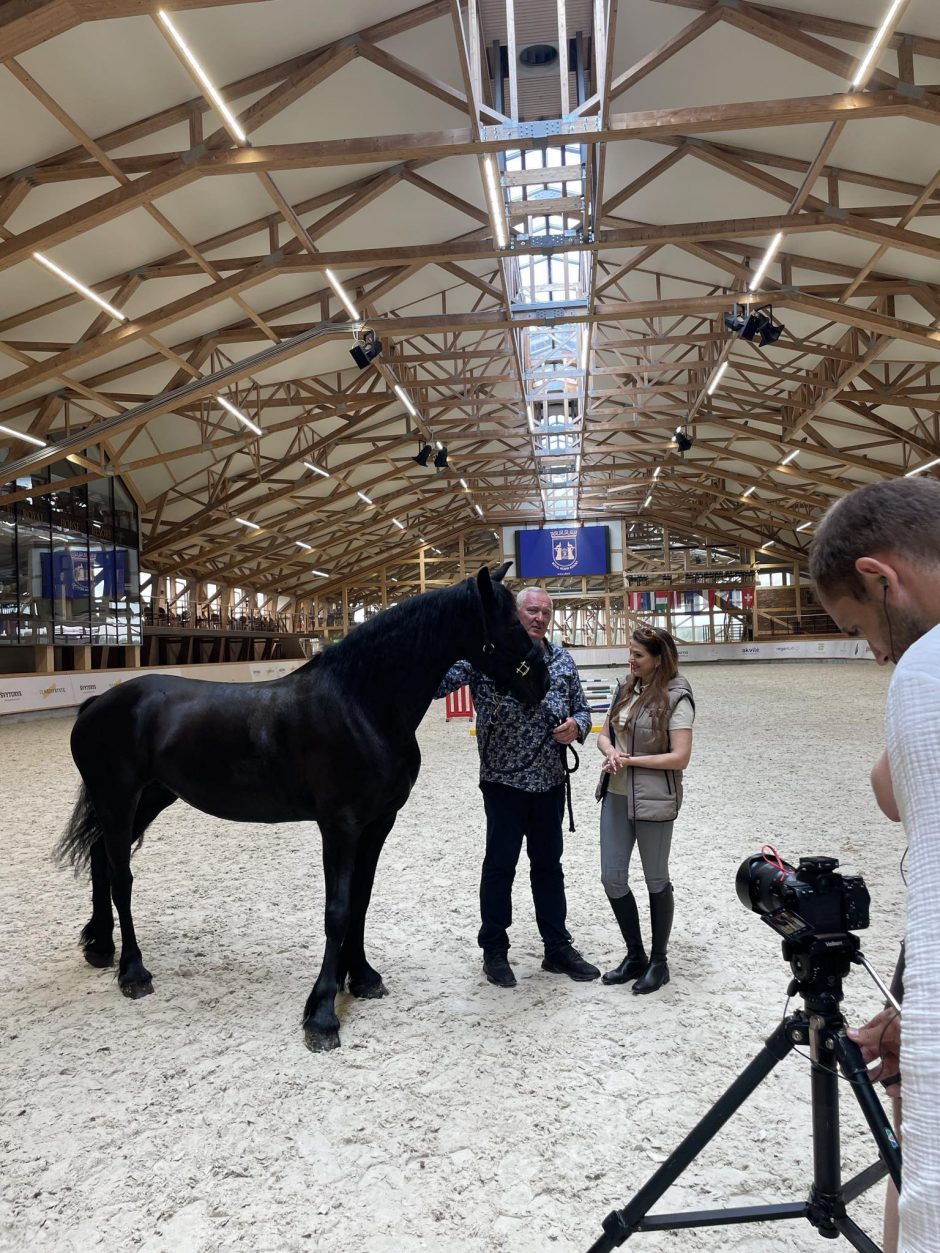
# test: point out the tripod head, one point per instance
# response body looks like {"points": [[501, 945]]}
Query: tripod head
{"points": [[819, 964]]}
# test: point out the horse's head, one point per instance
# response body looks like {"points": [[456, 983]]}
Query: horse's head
{"points": [[505, 652]]}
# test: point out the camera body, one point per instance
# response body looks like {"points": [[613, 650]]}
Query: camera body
{"points": [[812, 899]]}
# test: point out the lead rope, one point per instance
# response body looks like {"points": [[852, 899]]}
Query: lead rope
{"points": [[569, 771]]}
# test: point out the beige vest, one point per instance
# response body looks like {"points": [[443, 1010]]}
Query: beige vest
{"points": [[653, 795]]}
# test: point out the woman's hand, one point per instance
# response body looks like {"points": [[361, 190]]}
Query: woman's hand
{"points": [[613, 761]]}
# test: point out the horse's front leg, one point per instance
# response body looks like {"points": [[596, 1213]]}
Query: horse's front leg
{"points": [[321, 1026], [363, 980]]}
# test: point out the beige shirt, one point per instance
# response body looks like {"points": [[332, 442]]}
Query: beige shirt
{"points": [[683, 716]]}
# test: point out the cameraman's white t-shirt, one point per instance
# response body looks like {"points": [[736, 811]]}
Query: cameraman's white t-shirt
{"points": [[913, 738]]}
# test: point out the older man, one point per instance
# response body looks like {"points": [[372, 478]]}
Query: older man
{"points": [[876, 565], [522, 779]]}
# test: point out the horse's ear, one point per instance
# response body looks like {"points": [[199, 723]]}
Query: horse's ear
{"points": [[500, 572], [485, 586]]}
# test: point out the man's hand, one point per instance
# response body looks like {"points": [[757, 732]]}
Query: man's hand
{"points": [[566, 732], [880, 1040]]}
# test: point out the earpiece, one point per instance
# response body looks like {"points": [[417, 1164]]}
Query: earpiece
{"points": [[884, 582]]}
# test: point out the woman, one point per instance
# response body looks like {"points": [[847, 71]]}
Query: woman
{"points": [[646, 742]]}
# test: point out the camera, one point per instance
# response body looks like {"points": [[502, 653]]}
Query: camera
{"points": [[808, 900]]}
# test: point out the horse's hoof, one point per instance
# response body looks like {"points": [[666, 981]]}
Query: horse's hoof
{"points": [[319, 1041], [99, 960], [368, 991], [136, 990]]}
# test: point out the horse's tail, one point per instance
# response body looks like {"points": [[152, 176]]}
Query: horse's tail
{"points": [[82, 831]]}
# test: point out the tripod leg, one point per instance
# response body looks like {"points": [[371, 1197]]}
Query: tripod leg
{"points": [[850, 1060], [621, 1224]]}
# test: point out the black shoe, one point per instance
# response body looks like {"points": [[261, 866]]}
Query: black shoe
{"points": [[657, 974], [497, 969], [628, 969], [568, 961]]}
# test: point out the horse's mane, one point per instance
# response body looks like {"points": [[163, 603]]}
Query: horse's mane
{"points": [[412, 627]]}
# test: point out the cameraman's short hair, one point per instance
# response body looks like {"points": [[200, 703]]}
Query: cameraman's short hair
{"points": [[900, 516]]}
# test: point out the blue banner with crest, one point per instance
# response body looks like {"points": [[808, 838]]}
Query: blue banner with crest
{"points": [[557, 551]]}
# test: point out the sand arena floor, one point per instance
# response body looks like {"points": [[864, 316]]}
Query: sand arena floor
{"points": [[456, 1116]]}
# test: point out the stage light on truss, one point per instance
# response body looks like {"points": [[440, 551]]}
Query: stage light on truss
{"points": [[79, 287], [754, 324], [366, 349], [440, 458], [317, 469], [30, 439], [684, 441], [424, 453], [227, 116]]}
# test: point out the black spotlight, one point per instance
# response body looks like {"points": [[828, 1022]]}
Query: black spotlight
{"points": [[756, 323], [440, 459], [366, 350], [683, 442], [771, 333], [423, 455]]}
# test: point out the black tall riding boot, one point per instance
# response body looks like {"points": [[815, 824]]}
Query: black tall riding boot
{"points": [[662, 908], [628, 919]]}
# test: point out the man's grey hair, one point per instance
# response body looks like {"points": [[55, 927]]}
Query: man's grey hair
{"points": [[898, 516], [531, 588]]}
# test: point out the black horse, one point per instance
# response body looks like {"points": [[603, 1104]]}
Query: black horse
{"points": [[334, 741]]}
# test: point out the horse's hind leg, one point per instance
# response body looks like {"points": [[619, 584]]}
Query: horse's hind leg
{"points": [[122, 817], [97, 938], [321, 1026], [363, 980]]}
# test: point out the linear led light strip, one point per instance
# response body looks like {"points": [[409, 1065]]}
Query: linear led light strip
{"points": [[254, 526], [317, 469], [876, 47], [768, 257], [341, 293], [716, 377], [791, 456], [30, 439], [406, 401], [496, 201], [80, 287], [803, 526], [222, 108], [928, 465], [246, 421]]}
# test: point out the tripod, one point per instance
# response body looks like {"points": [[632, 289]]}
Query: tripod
{"points": [[819, 964]]}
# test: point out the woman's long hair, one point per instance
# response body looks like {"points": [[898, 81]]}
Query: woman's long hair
{"points": [[655, 695]]}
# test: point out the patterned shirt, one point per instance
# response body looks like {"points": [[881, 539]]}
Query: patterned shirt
{"points": [[514, 740]]}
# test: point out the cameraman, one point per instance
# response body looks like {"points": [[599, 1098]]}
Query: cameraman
{"points": [[876, 565]]}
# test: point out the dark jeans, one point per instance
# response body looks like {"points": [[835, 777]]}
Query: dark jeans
{"points": [[511, 816]]}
